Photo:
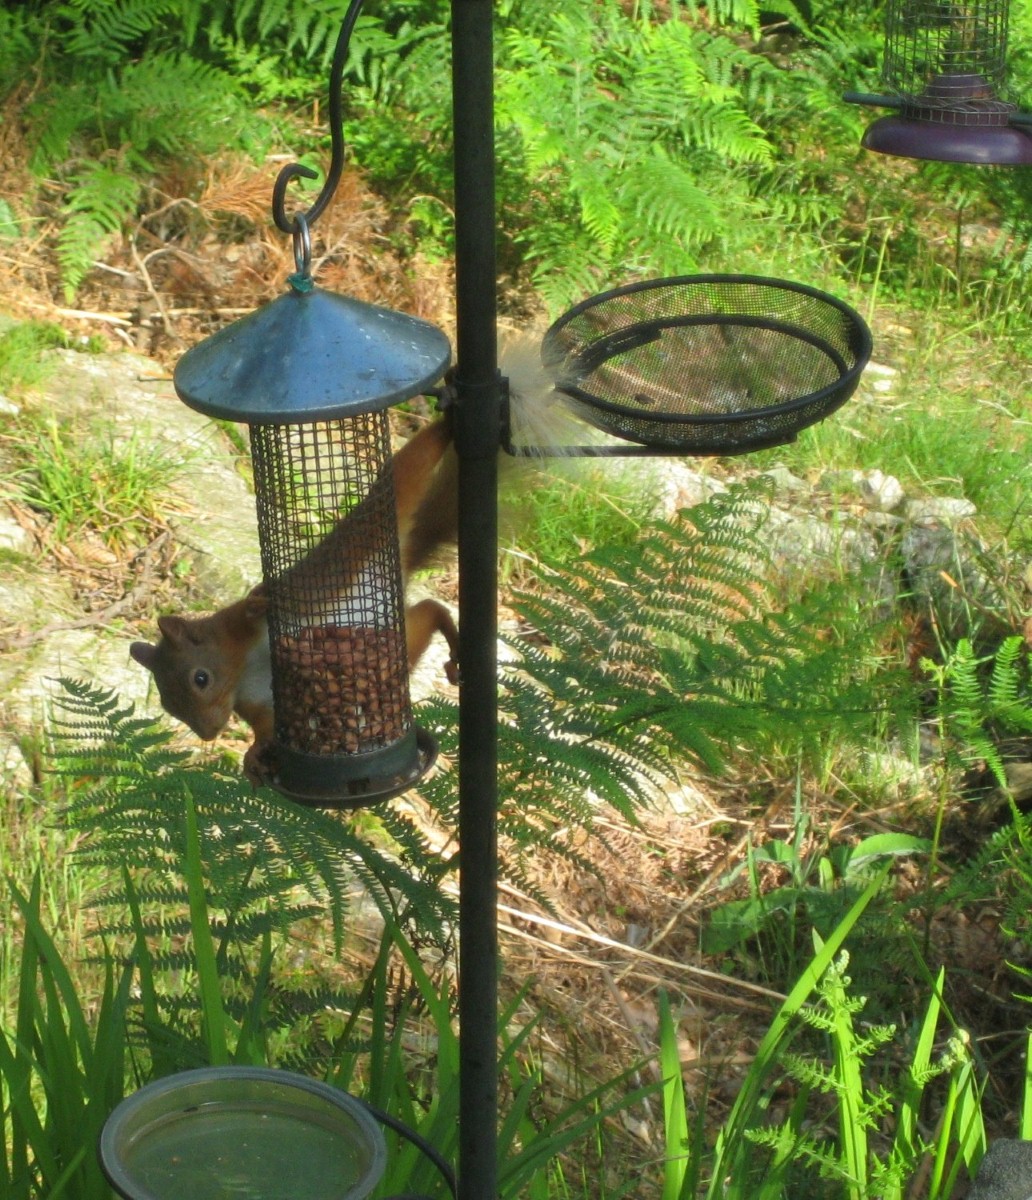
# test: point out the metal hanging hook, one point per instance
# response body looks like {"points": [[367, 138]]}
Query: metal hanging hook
{"points": [[302, 245], [288, 224]]}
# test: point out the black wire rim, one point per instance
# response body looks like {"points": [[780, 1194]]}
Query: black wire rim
{"points": [[601, 327]]}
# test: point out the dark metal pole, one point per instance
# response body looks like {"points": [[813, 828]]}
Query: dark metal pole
{"points": [[477, 439]]}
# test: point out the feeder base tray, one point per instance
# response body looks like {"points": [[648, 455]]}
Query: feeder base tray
{"points": [[347, 781]]}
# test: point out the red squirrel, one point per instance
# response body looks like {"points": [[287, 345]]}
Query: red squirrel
{"points": [[207, 668]]}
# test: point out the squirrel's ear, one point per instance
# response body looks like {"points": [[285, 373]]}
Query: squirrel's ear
{"points": [[175, 629], [144, 653], [257, 602]]}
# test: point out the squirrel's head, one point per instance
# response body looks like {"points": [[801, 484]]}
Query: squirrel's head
{"points": [[190, 674]]}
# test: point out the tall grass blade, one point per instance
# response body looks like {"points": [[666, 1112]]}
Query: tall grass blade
{"points": [[213, 1013], [676, 1151], [905, 1146], [81, 1075], [1025, 1115], [970, 1127], [729, 1176]]}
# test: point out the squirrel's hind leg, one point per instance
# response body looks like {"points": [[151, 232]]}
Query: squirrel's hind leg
{"points": [[422, 621]]}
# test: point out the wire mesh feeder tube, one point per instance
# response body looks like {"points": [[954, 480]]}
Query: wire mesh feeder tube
{"points": [[327, 527], [947, 61]]}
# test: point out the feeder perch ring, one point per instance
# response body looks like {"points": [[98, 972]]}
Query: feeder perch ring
{"points": [[708, 364]]}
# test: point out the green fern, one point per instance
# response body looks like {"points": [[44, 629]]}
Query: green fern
{"points": [[101, 198], [122, 93], [107, 31], [747, 12], [973, 709], [18, 46], [873, 1151], [620, 119], [267, 866], [129, 788], [667, 653]]}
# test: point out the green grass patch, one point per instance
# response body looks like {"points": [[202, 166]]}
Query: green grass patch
{"points": [[93, 480], [954, 419], [22, 353], [555, 512]]}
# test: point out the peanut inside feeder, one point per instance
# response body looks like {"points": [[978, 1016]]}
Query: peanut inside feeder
{"points": [[340, 687]]}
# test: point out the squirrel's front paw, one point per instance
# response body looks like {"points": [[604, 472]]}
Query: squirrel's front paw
{"points": [[259, 763]]}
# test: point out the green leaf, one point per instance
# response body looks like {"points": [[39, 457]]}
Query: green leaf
{"points": [[886, 845]]}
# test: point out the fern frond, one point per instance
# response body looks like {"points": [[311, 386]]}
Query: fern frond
{"points": [[130, 803], [746, 13], [676, 650], [1008, 691], [668, 202], [622, 115], [973, 708], [102, 197], [110, 30]]}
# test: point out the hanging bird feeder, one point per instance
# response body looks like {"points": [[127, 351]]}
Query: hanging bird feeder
{"points": [[945, 69], [312, 375]]}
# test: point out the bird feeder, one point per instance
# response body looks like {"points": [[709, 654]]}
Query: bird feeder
{"points": [[312, 375], [703, 364], [945, 69]]}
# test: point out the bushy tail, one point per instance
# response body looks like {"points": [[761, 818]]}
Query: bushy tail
{"points": [[541, 421]]}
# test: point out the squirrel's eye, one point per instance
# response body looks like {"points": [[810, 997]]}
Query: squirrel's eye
{"points": [[201, 679]]}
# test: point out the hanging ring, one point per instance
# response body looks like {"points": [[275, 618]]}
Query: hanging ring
{"points": [[302, 245], [336, 117]]}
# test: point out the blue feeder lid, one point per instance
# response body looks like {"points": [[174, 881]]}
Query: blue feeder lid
{"points": [[311, 355]]}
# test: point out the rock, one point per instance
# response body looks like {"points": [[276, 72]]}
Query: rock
{"points": [[942, 510], [679, 486], [785, 483], [13, 537], [974, 234], [880, 491], [1019, 781], [801, 540], [941, 568], [29, 680], [1005, 1172], [840, 481], [879, 378], [135, 398], [883, 522], [217, 526]]}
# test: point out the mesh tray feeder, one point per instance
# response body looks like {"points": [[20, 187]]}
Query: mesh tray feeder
{"points": [[708, 364]]}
